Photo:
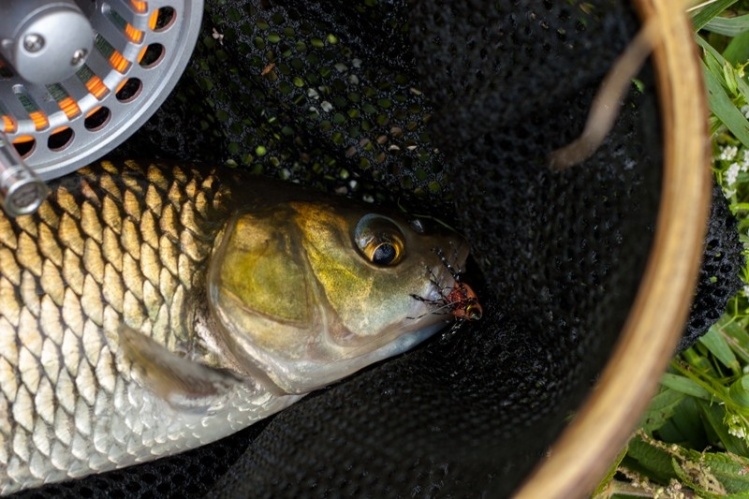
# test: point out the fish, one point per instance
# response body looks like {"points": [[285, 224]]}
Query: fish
{"points": [[150, 308]]}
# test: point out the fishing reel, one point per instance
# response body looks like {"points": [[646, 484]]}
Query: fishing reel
{"points": [[78, 77]]}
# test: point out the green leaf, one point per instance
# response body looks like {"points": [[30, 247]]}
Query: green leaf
{"points": [[737, 51], [653, 460], [603, 485], [714, 417], [685, 386], [686, 426], [730, 470], [699, 479], [730, 82], [722, 106], [736, 336], [728, 26], [661, 409], [710, 474], [701, 17], [699, 363], [718, 346], [716, 62], [739, 392]]}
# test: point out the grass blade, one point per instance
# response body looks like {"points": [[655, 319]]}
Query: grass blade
{"points": [[715, 417], [661, 409], [603, 485], [737, 51], [718, 346], [728, 26], [709, 12], [724, 109], [719, 67], [685, 386]]}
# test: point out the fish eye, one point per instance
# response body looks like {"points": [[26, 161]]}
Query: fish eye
{"points": [[384, 254], [380, 240]]}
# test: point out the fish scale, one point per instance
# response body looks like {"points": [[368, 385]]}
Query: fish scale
{"points": [[102, 250]]}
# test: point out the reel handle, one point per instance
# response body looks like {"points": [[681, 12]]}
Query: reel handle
{"points": [[21, 190]]}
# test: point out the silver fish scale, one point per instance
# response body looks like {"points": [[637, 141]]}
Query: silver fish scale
{"points": [[104, 250]]}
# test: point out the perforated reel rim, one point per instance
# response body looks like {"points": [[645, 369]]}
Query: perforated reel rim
{"points": [[133, 67]]}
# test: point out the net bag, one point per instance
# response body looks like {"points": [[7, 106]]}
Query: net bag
{"points": [[450, 109]]}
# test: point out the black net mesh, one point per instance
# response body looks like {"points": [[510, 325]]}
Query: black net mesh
{"points": [[448, 108], [719, 275]]}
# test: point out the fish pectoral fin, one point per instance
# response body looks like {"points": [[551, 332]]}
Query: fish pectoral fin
{"points": [[184, 384]]}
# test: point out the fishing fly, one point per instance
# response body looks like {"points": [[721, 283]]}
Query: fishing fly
{"points": [[459, 300]]}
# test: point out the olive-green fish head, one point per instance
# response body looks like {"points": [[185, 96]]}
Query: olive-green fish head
{"points": [[309, 292]]}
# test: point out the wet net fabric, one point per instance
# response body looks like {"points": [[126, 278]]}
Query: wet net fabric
{"points": [[450, 109]]}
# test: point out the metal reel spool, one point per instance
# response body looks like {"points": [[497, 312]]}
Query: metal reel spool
{"points": [[77, 77]]}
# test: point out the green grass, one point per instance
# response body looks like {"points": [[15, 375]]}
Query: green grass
{"points": [[694, 438]]}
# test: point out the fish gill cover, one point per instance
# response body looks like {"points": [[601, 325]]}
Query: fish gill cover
{"points": [[448, 108]]}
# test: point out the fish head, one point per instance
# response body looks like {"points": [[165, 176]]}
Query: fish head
{"points": [[309, 292]]}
